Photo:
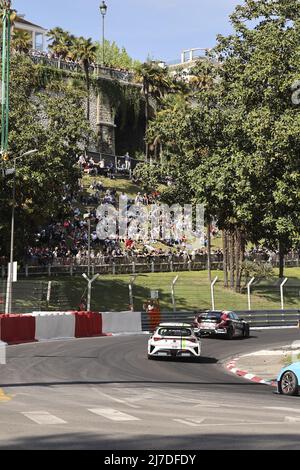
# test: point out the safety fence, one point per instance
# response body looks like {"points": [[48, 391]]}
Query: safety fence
{"points": [[177, 292], [67, 268], [123, 265], [99, 70]]}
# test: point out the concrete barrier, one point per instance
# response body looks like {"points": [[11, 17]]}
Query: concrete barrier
{"points": [[2, 353], [88, 324], [54, 325], [122, 322], [15, 329]]}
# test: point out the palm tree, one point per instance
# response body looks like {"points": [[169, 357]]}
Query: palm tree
{"points": [[62, 42], [21, 42], [85, 51], [156, 83], [55, 33]]}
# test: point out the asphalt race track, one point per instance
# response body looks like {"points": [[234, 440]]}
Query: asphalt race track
{"points": [[103, 393]]}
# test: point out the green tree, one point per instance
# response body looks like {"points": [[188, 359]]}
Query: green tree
{"points": [[61, 42], [114, 56], [235, 147], [21, 42], [84, 51], [156, 84], [54, 123]]}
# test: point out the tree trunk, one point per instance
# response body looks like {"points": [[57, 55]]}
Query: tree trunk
{"points": [[242, 254], [88, 87], [161, 154], [147, 114], [238, 249], [209, 249], [281, 259], [231, 259], [225, 257]]}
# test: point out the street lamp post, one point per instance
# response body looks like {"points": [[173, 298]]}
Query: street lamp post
{"points": [[103, 10], [8, 300]]}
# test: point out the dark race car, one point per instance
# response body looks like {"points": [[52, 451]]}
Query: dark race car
{"points": [[224, 323]]}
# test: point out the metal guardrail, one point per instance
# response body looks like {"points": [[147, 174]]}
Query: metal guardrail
{"points": [[118, 267], [256, 318]]}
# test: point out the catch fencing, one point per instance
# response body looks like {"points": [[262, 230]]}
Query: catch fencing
{"points": [[176, 292]]}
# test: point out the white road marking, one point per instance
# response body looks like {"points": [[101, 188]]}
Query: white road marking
{"points": [[175, 396], [209, 405], [281, 408], [113, 415], [193, 423], [118, 400], [291, 419], [43, 417], [190, 423]]}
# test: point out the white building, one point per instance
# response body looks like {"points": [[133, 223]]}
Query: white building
{"points": [[38, 34]]}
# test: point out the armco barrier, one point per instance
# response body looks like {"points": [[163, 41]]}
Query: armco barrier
{"points": [[15, 329], [256, 318], [54, 325], [88, 324], [265, 318], [122, 322]]}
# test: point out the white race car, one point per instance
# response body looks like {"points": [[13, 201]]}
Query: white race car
{"points": [[174, 340]]}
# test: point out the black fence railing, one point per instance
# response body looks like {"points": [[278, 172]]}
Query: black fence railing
{"points": [[126, 265], [98, 70]]}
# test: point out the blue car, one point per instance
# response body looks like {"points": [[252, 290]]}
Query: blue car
{"points": [[288, 380]]}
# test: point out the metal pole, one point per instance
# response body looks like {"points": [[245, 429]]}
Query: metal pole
{"points": [[90, 282], [103, 45], [49, 292], [173, 293], [131, 292], [213, 293], [89, 246], [249, 292], [8, 304], [281, 292], [7, 78], [3, 126], [89, 296], [6, 39]]}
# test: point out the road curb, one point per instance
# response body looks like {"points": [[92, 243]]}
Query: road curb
{"points": [[232, 367]]}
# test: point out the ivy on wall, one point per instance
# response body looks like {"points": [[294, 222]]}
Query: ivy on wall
{"points": [[126, 100], [121, 97]]}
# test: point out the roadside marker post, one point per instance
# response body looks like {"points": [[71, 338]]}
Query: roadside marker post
{"points": [[90, 282], [249, 292], [212, 290], [281, 292]]}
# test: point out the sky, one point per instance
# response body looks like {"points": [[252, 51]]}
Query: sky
{"points": [[159, 29]]}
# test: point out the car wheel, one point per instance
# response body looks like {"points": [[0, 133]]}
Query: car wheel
{"points": [[230, 332], [289, 383], [246, 332]]}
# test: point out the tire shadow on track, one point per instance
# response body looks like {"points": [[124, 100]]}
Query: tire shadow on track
{"points": [[190, 360], [222, 338]]}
